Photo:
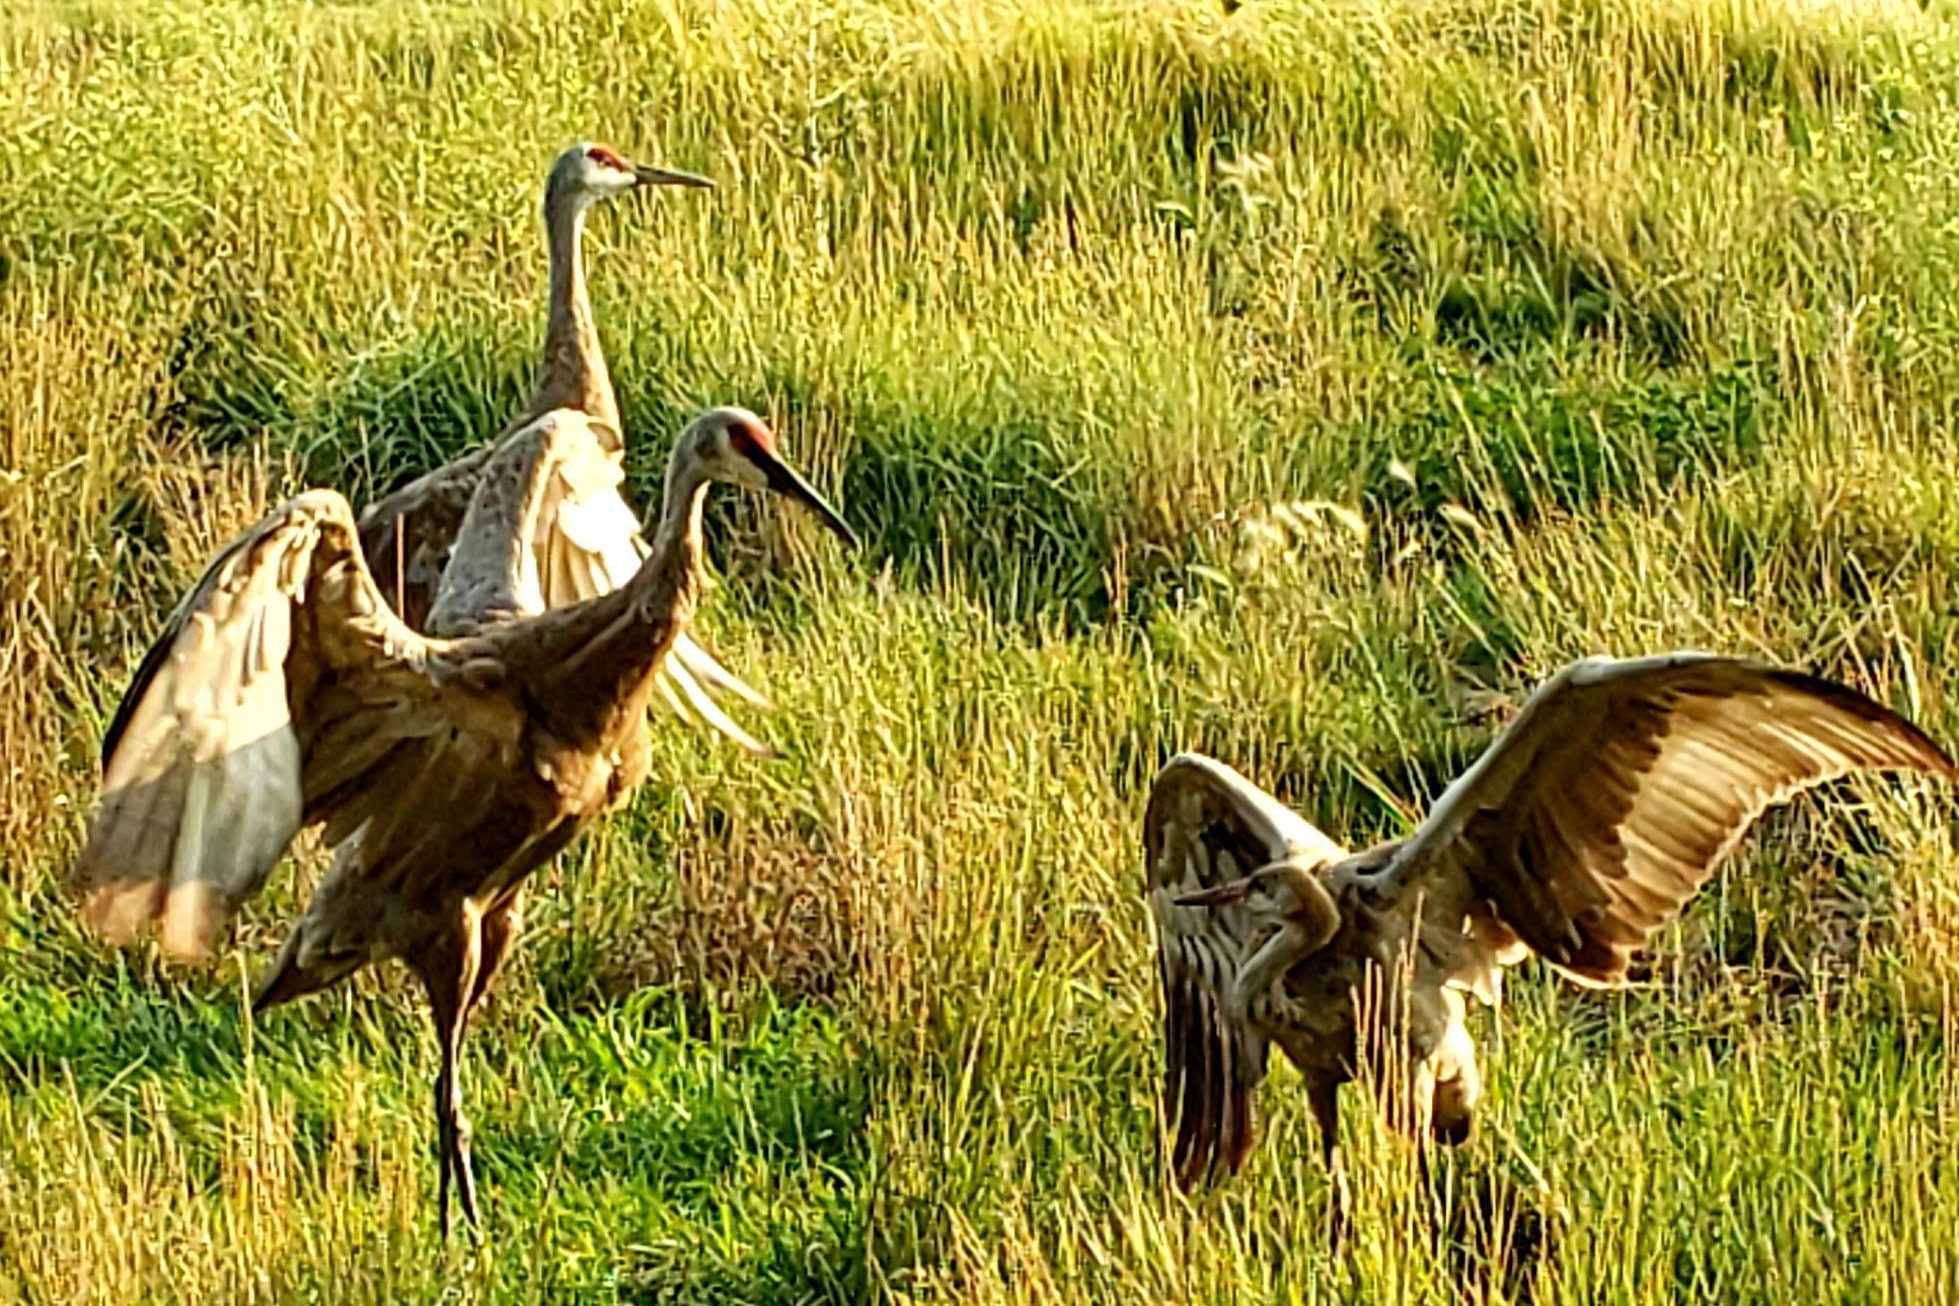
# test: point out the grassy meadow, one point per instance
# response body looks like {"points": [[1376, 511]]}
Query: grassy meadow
{"points": [[1301, 385]]}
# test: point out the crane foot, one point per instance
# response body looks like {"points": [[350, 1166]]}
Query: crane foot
{"points": [[452, 1135]]}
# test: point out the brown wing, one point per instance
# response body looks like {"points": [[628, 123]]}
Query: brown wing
{"points": [[582, 541], [202, 785], [1206, 826], [1621, 787]]}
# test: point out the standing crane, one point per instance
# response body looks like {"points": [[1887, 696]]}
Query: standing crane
{"points": [[285, 693], [1585, 827], [585, 540]]}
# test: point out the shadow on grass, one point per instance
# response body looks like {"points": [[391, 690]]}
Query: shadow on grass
{"points": [[1497, 1234], [1013, 497]]}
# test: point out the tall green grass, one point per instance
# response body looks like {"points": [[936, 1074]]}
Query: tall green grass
{"points": [[1301, 385]]}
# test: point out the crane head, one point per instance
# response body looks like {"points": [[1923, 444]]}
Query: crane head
{"points": [[589, 171], [1276, 892], [734, 445]]}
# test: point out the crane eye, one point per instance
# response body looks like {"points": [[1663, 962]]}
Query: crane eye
{"points": [[605, 158]]}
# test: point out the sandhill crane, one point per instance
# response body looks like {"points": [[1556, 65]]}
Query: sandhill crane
{"points": [[285, 693], [1585, 827], [584, 541]]}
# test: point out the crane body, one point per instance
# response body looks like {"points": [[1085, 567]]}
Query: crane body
{"points": [[1585, 827], [442, 769]]}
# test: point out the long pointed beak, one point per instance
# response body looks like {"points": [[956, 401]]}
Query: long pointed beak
{"points": [[285, 981], [784, 480], [646, 176], [1220, 896]]}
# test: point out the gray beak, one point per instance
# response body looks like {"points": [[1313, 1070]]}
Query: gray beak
{"points": [[1220, 896], [668, 177], [784, 480]]}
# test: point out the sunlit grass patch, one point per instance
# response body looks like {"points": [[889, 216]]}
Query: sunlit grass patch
{"points": [[1301, 384]]}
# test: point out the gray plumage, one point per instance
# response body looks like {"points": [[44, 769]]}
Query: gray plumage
{"points": [[583, 539]]}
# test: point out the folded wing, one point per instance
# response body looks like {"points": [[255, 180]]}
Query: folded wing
{"points": [[1207, 826], [1620, 788]]}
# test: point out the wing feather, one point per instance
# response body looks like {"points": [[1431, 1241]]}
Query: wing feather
{"points": [[1622, 786], [677, 676], [202, 785], [1207, 825]]}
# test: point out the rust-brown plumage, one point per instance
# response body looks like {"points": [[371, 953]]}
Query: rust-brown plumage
{"points": [[1581, 830], [443, 768]]}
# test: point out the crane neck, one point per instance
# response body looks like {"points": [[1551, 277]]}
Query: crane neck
{"points": [[665, 588], [1267, 967], [614, 646], [1302, 932], [678, 536], [574, 374]]}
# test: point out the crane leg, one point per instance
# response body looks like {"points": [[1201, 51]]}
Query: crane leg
{"points": [[450, 977], [452, 1141], [1324, 1097], [502, 924]]}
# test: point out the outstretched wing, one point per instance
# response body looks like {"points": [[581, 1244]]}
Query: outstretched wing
{"points": [[202, 784], [583, 541], [1207, 826], [1622, 785]]}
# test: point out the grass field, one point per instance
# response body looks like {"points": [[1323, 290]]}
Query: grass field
{"points": [[1608, 325]]}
